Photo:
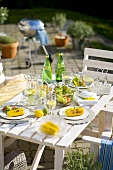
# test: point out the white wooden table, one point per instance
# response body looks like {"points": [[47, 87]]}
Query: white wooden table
{"points": [[26, 131]]}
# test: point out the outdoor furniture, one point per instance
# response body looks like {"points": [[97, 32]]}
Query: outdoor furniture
{"points": [[94, 63], [102, 149], [25, 130], [2, 77], [15, 160], [95, 59], [107, 123]]}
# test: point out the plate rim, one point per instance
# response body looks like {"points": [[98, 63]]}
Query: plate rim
{"points": [[88, 101], [74, 118], [16, 117], [80, 87]]}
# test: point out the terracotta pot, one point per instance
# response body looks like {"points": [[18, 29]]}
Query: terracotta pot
{"points": [[9, 50], [61, 40]]}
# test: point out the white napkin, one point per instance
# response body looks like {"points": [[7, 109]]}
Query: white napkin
{"points": [[83, 102]]}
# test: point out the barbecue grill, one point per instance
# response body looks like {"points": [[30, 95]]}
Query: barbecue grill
{"points": [[33, 29]]}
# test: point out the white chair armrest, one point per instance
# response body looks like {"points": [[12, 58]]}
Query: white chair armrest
{"points": [[92, 140]]}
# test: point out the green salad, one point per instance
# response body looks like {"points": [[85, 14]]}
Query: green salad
{"points": [[64, 94]]}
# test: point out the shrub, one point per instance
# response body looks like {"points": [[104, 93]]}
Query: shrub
{"points": [[3, 14], [7, 40], [80, 30], [80, 161], [59, 20]]}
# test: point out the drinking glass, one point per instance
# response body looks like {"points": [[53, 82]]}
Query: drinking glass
{"points": [[67, 77], [30, 92], [88, 78], [51, 102], [41, 93]]}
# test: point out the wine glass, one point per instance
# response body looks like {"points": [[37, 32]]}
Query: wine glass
{"points": [[51, 102]]}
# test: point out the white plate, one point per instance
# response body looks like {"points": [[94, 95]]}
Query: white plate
{"points": [[83, 102], [55, 119], [80, 87], [86, 94], [4, 115], [83, 116]]}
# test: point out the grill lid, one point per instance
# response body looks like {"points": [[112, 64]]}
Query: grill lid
{"points": [[28, 27]]}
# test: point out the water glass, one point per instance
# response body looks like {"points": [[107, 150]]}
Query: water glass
{"points": [[41, 94], [67, 77], [88, 78], [51, 102], [30, 92]]}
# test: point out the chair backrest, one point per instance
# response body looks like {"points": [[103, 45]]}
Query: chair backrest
{"points": [[95, 59], [2, 77]]}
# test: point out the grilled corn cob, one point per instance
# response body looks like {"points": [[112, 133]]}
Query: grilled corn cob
{"points": [[74, 111], [50, 128], [53, 124], [15, 112]]}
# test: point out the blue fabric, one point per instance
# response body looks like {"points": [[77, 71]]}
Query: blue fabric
{"points": [[106, 154], [111, 159], [41, 36]]}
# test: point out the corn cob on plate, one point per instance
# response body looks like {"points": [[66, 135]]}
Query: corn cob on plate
{"points": [[74, 113], [16, 114], [51, 125]]}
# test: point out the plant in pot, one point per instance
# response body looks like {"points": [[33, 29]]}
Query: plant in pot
{"points": [[8, 46], [59, 20], [80, 161], [78, 31]]}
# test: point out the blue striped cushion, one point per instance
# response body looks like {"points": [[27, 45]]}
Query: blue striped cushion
{"points": [[106, 154]]}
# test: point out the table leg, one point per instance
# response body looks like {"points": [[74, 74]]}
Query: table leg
{"points": [[59, 157], [105, 125], [1, 152], [37, 157]]}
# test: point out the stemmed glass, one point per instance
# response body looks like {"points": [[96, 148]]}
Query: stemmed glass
{"points": [[51, 102]]}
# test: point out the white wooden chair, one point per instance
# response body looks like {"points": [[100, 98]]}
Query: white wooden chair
{"points": [[95, 144], [100, 59], [2, 77], [106, 132]]}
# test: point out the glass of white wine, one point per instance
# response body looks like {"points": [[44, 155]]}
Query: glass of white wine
{"points": [[51, 102]]}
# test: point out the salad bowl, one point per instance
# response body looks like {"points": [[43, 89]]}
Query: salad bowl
{"points": [[64, 94]]}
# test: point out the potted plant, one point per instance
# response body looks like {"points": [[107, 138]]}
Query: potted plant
{"points": [[8, 46], [80, 161], [78, 31], [59, 20]]}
